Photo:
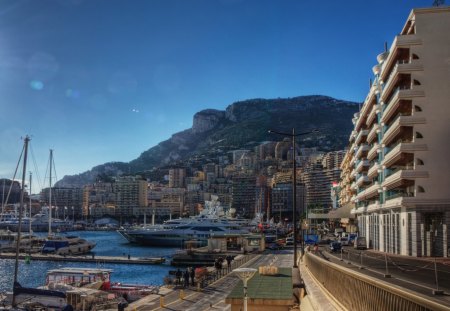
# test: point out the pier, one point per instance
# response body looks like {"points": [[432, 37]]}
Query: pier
{"points": [[87, 258]]}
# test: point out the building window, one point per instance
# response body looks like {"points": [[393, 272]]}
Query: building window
{"points": [[420, 189], [419, 135], [417, 82], [417, 108], [419, 162], [414, 56]]}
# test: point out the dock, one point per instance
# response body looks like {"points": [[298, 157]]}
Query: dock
{"points": [[87, 258]]}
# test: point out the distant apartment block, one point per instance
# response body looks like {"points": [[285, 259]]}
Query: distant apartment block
{"points": [[397, 170], [131, 195], [177, 177], [64, 197]]}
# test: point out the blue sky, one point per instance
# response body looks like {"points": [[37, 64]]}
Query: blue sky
{"points": [[104, 80]]}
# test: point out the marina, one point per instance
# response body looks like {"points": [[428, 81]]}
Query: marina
{"points": [[111, 252]]}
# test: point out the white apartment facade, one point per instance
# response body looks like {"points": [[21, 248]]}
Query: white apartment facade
{"points": [[397, 170]]}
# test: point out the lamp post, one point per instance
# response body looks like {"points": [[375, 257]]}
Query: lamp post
{"points": [[294, 184], [245, 274]]}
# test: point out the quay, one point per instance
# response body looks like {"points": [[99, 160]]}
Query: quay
{"points": [[86, 258]]}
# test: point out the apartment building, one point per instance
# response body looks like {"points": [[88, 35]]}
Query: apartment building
{"points": [[397, 170], [131, 195]]}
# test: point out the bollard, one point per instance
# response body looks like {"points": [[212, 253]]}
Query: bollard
{"points": [[198, 286], [348, 258], [387, 275], [161, 302], [181, 296], [436, 291], [341, 255], [360, 259]]}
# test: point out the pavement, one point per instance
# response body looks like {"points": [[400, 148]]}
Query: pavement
{"points": [[213, 296]]}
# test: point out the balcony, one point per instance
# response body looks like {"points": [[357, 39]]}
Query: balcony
{"points": [[401, 67], [394, 128], [360, 136], [373, 133], [400, 177], [373, 152], [373, 206], [372, 191], [400, 41], [364, 164], [362, 179], [404, 147], [372, 114], [373, 170], [352, 136], [361, 150]]}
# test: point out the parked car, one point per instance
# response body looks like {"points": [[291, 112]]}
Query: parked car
{"points": [[289, 241], [344, 241], [335, 247], [360, 243], [275, 246]]}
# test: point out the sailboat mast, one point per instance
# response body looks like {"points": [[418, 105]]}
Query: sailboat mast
{"points": [[29, 215], [50, 196], [3, 196], [16, 265]]}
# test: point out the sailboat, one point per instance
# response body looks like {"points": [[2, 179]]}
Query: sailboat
{"points": [[20, 295], [62, 245]]}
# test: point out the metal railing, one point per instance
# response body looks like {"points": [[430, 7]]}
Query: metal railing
{"points": [[356, 291], [217, 274]]}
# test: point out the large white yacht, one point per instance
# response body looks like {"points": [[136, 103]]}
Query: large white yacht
{"points": [[176, 232]]}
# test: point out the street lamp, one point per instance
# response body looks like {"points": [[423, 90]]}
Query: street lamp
{"points": [[245, 274], [294, 184]]}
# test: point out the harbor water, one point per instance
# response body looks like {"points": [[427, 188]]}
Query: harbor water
{"points": [[109, 243]]}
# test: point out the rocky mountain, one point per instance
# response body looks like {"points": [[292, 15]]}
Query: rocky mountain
{"points": [[243, 124]]}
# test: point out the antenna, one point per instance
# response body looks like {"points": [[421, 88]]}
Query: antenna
{"points": [[438, 2], [385, 46]]}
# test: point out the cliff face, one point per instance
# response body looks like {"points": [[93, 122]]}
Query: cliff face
{"points": [[206, 120], [242, 125]]}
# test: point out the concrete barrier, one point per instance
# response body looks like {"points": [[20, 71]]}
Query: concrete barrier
{"points": [[359, 292]]}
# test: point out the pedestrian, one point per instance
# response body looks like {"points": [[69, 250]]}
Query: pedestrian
{"points": [[192, 276], [178, 276], [186, 278], [316, 248], [229, 259]]}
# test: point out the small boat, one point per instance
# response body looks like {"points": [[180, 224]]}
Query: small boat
{"points": [[67, 245], [40, 297], [96, 278]]}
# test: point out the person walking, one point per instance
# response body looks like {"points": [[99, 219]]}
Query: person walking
{"points": [[229, 259], [192, 276], [186, 278], [178, 276]]}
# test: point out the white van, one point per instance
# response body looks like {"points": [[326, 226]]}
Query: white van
{"points": [[290, 241]]}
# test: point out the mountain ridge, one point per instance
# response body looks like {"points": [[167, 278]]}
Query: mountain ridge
{"points": [[241, 124]]}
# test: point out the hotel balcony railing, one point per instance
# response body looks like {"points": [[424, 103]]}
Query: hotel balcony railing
{"points": [[360, 135], [373, 170], [372, 114], [402, 119], [398, 194], [391, 171], [373, 133], [361, 179], [361, 164], [402, 147], [400, 41], [373, 151], [363, 148], [352, 135]]}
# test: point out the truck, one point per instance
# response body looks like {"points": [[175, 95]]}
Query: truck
{"points": [[360, 243]]}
